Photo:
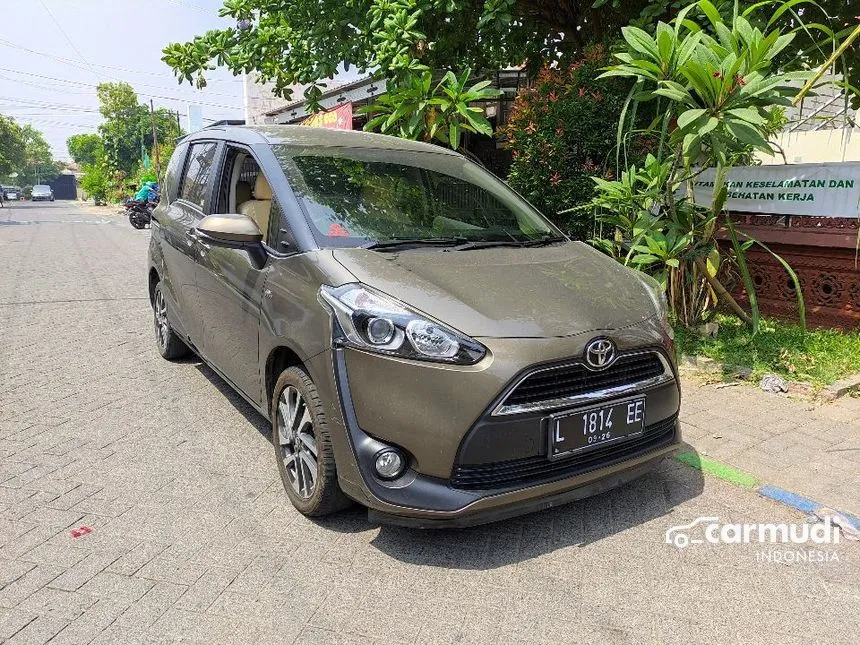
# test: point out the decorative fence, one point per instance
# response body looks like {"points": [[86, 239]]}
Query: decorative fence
{"points": [[823, 253]]}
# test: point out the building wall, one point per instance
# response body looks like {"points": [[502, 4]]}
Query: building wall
{"points": [[817, 146], [259, 99]]}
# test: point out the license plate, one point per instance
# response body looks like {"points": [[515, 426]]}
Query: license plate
{"points": [[576, 431]]}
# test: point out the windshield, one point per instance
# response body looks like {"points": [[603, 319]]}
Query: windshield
{"points": [[355, 197]]}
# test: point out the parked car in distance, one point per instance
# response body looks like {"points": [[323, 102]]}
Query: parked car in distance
{"points": [[11, 193], [423, 341], [42, 193]]}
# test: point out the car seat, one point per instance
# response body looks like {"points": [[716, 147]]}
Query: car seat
{"points": [[259, 208]]}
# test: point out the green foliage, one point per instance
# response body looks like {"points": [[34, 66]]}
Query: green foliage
{"points": [[820, 356], [11, 146], [420, 109], [95, 182], [561, 131], [718, 98], [86, 149], [23, 150], [127, 124], [307, 41]]}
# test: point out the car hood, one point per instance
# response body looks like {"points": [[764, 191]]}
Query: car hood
{"points": [[506, 292]]}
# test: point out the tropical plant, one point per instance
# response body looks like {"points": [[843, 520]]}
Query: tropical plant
{"points": [[442, 111], [716, 96]]}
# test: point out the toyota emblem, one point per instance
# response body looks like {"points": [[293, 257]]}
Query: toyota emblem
{"points": [[600, 353]]}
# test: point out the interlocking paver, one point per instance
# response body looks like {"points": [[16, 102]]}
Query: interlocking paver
{"points": [[192, 537]]}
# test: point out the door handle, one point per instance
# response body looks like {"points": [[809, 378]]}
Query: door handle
{"points": [[191, 237]]}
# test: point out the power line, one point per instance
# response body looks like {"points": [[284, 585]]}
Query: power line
{"points": [[73, 63], [154, 96], [135, 82], [66, 36]]}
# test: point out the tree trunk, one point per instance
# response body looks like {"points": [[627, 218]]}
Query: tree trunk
{"points": [[722, 293]]}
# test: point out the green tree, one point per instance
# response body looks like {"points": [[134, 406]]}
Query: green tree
{"points": [[85, 149], [306, 41], [127, 125], [95, 182], [291, 42], [39, 166], [11, 146]]}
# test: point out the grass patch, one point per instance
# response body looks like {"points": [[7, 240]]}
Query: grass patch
{"points": [[819, 356], [717, 469]]}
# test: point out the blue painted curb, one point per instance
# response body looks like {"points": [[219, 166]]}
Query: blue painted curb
{"points": [[803, 504]]}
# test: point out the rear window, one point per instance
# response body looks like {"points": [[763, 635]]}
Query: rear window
{"points": [[197, 173], [174, 167]]}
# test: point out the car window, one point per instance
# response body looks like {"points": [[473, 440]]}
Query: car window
{"points": [[353, 196], [243, 188], [171, 177], [197, 172]]}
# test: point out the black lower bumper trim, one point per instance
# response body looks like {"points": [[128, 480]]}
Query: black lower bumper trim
{"points": [[509, 511]]}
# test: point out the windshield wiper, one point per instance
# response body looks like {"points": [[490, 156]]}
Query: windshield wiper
{"points": [[383, 245], [488, 244]]}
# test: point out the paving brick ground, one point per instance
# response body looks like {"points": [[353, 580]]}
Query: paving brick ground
{"points": [[808, 448], [193, 540]]}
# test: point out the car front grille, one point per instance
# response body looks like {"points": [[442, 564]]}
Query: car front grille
{"points": [[539, 469], [559, 386]]}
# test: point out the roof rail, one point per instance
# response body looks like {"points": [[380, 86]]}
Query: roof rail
{"points": [[224, 122]]}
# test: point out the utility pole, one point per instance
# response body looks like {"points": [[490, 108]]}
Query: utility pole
{"points": [[178, 124], [155, 140]]}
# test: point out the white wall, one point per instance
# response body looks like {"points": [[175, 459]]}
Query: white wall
{"points": [[816, 146]]}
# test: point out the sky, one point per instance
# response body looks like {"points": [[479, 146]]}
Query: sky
{"points": [[53, 53]]}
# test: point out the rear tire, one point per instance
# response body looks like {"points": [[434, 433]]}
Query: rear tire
{"points": [[169, 344], [302, 446]]}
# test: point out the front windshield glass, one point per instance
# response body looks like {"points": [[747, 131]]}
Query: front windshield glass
{"points": [[354, 197]]}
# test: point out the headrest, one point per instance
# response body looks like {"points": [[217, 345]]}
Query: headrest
{"points": [[262, 190], [243, 192]]}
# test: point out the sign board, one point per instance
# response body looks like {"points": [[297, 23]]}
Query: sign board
{"points": [[820, 189], [195, 118], [339, 118]]}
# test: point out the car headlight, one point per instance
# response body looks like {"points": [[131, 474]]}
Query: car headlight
{"points": [[375, 322]]}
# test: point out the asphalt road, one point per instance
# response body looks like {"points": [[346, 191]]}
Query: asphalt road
{"points": [[140, 503]]}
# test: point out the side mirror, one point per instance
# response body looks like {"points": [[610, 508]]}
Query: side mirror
{"points": [[230, 230]]}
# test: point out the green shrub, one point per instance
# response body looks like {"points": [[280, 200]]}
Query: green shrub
{"points": [[562, 131]]}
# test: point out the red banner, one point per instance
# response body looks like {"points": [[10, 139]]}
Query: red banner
{"points": [[339, 118]]}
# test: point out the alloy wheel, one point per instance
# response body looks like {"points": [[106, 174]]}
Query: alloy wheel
{"points": [[162, 327], [295, 430]]}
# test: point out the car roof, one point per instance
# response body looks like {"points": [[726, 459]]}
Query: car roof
{"points": [[307, 136]]}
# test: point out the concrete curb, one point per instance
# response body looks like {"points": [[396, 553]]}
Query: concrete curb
{"points": [[850, 383], [739, 478]]}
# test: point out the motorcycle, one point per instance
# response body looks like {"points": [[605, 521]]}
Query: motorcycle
{"points": [[139, 212]]}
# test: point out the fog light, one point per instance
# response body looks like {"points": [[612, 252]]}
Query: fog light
{"points": [[389, 464]]}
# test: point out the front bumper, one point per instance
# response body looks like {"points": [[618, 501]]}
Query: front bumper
{"points": [[440, 430]]}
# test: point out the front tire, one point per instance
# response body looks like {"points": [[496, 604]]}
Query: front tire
{"points": [[169, 344], [303, 446]]}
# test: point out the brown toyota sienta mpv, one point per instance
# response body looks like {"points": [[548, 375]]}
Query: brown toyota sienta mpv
{"points": [[423, 341]]}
